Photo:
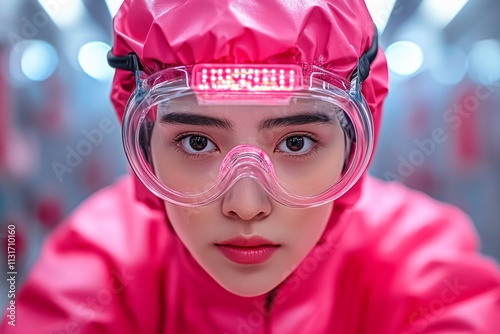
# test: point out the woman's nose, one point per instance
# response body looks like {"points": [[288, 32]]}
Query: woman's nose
{"points": [[246, 200]]}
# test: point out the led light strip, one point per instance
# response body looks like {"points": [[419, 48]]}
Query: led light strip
{"points": [[246, 78]]}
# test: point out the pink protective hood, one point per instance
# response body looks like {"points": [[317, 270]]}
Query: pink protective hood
{"points": [[330, 34]]}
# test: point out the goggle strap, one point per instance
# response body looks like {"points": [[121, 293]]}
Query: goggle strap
{"points": [[367, 58], [129, 62]]}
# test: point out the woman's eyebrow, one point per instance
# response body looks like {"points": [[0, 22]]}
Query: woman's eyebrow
{"points": [[297, 119], [195, 119]]}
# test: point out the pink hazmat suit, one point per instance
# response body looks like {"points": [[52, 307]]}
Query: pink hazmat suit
{"points": [[390, 261]]}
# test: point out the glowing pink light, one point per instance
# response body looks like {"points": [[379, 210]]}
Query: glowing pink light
{"points": [[247, 78]]}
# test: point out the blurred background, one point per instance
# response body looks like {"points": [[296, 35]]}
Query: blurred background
{"points": [[60, 140]]}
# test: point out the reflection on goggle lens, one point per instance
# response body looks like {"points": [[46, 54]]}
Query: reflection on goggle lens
{"points": [[304, 147]]}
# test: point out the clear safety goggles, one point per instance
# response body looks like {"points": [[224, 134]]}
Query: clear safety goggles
{"points": [[191, 133]]}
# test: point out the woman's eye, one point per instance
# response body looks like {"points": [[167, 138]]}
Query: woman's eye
{"points": [[197, 144], [296, 144]]}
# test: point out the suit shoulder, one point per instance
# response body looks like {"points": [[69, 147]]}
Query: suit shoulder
{"points": [[113, 222], [399, 217]]}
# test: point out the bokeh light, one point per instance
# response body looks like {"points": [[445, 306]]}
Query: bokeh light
{"points": [[65, 14], [380, 10], [113, 6], [39, 60], [484, 62], [441, 12], [92, 59], [404, 58]]}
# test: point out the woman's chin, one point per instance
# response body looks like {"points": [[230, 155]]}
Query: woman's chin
{"points": [[250, 290], [249, 284]]}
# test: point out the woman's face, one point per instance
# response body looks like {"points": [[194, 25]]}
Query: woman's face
{"points": [[247, 241]]}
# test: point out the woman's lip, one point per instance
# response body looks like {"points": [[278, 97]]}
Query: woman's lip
{"points": [[251, 250], [254, 241], [248, 255]]}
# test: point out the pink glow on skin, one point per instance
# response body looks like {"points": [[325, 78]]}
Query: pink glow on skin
{"points": [[246, 211]]}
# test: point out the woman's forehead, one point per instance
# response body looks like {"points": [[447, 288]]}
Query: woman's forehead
{"points": [[190, 104]]}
